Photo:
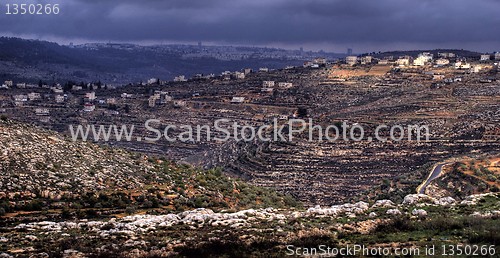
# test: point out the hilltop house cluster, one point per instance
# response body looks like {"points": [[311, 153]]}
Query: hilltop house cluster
{"points": [[443, 59], [43, 97]]}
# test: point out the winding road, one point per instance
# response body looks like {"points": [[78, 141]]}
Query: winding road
{"points": [[436, 172]]}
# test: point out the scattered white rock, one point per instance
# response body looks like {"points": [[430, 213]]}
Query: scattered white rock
{"points": [[383, 204], [356, 208], [446, 201], [418, 198], [487, 214], [419, 213], [474, 199], [393, 212], [31, 237], [72, 253]]}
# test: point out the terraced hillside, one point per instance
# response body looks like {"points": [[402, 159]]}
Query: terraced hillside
{"points": [[462, 117], [44, 174]]}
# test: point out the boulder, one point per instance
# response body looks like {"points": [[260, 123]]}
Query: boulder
{"points": [[394, 212], [412, 199], [383, 204], [446, 201], [419, 213]]}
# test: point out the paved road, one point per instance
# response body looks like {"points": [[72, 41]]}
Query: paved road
{"points": [[436, 172]]}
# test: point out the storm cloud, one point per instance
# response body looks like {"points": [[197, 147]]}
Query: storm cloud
{"points": [[366, 25]]}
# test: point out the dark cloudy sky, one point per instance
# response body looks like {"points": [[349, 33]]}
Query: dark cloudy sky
{"points": [[333, 25]]}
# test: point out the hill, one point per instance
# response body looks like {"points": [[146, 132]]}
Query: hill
{"points": [[415, 53], [75, 199], [468, 175], [34, 60], [43, 174]]}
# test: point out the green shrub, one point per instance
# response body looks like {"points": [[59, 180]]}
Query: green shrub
{"points": [[130, 210]]}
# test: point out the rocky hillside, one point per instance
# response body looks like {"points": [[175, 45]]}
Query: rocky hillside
{"points": [[72, 199], [461, 177], [43, 171], [418, 221], [466, 176]]}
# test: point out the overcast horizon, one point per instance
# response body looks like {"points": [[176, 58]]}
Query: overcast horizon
{"points": [[333, 26]]}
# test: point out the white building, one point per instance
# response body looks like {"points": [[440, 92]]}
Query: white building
{"points": [[462, 65], [59, 98], [34, 96], [419, 61], [42, 112], [21, 85], [426, 56], [446, 55], [126, 95], [90, 96], [497, 56], [485, 57], [351, 60], [264, 69], [237, 99], [239, 75], [423, 59], [319, 60], [167, 98], [180, 78], [442, 62], [153, 81], [366, 60], [9, 83], [403, 61], [152, 100], [268, 84], [383, 62], [20, 98], [476, 69], [285, 85]]}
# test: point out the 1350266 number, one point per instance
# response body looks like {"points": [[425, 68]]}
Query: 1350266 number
{"points": [[468, 250], [33, 9]]}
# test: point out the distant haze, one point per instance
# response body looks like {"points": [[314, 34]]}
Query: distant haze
{"points": [[331, 25]]}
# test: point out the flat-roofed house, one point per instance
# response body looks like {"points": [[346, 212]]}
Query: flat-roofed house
{"points": [[237, 99], [366, 59], [59, 98], [268, 84], [442, 62], [351, 60], [42, 111], [285, 85], [485, 57], [34, 96]]}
